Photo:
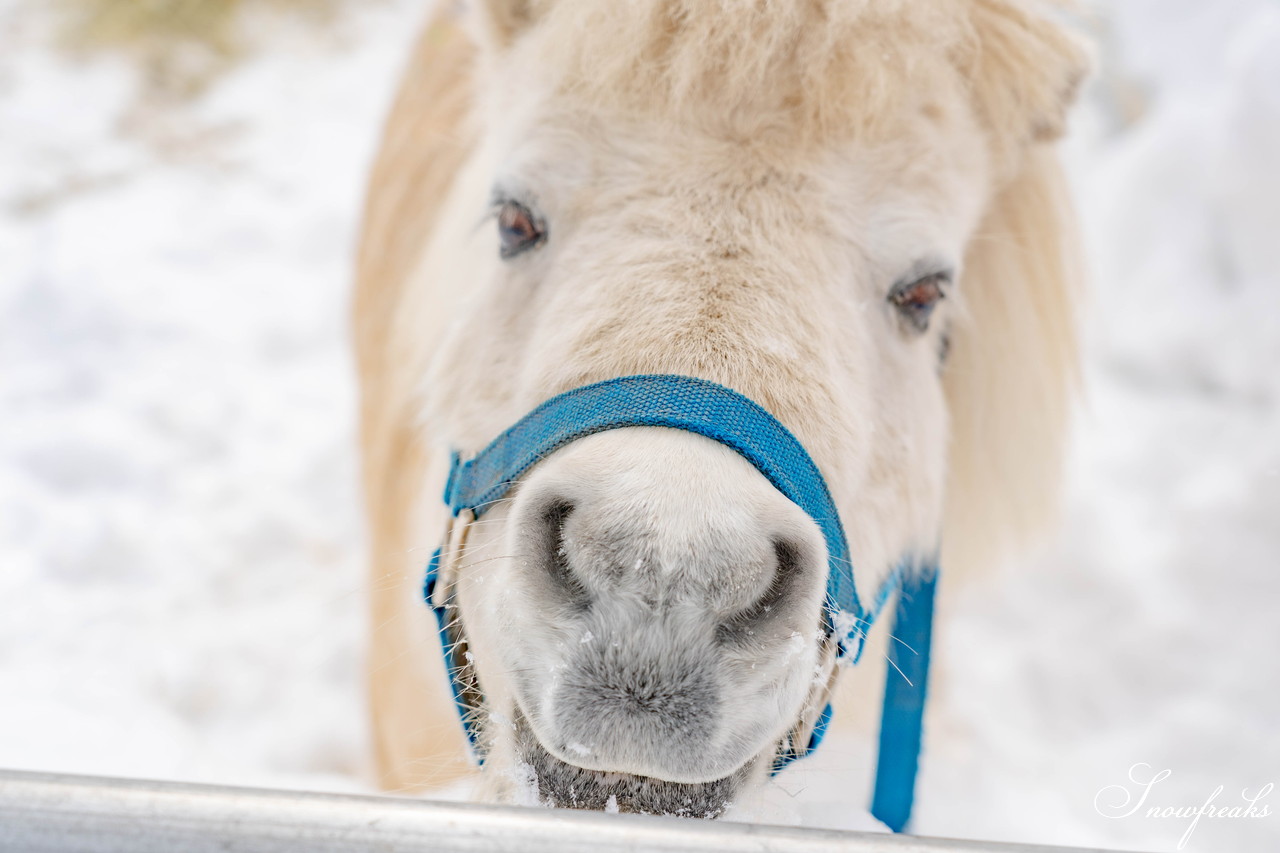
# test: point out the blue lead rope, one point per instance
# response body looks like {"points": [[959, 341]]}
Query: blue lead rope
{"points": [[725, 416], [905, 689]]}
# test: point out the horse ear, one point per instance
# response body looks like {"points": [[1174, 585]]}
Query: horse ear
{"points": [[1027, 68], [499, 22]]}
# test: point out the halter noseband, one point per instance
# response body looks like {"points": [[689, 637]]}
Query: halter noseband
{"points": [[725, 416]]}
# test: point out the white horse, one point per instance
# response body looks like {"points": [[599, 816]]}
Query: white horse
{"points": [[846, 210]]}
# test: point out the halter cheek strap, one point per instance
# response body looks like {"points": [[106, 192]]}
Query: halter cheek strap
{"points": [[725, 416]]}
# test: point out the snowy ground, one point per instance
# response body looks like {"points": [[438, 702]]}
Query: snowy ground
{"points": [[180, 584]]}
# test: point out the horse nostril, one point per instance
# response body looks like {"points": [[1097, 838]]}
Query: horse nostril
{"points": [[787, 567], [555, 552]]}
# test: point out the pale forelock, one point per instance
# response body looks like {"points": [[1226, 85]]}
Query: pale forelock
{"points": [[817, 68]]}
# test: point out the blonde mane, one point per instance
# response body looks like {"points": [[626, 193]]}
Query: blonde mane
{"points": [[806, 70], [1012, 374], [810, 68]]}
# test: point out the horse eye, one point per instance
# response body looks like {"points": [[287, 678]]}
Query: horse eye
{"points": [[916, 300], [518, 229]]}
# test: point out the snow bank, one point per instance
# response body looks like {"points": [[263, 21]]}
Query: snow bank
{"points": [[181, 544]]}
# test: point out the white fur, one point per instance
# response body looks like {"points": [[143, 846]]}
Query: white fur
{"points": [[741, 217]]}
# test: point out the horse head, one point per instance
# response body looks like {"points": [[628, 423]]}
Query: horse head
{"points": [[841, 211]]}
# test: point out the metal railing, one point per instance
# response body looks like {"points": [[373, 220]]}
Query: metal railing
{"points": [[47, 813]]}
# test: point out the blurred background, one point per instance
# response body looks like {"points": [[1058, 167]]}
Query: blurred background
{"points": [[180, 527]]}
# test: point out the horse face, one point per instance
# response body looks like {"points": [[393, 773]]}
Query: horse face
{"points": [[644, 611]]}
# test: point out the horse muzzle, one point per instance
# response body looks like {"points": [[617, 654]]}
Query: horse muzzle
{"points": [[669, 604], [713, 606]]}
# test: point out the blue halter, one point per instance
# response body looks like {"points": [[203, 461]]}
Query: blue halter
{"points": [[711, 410]]}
